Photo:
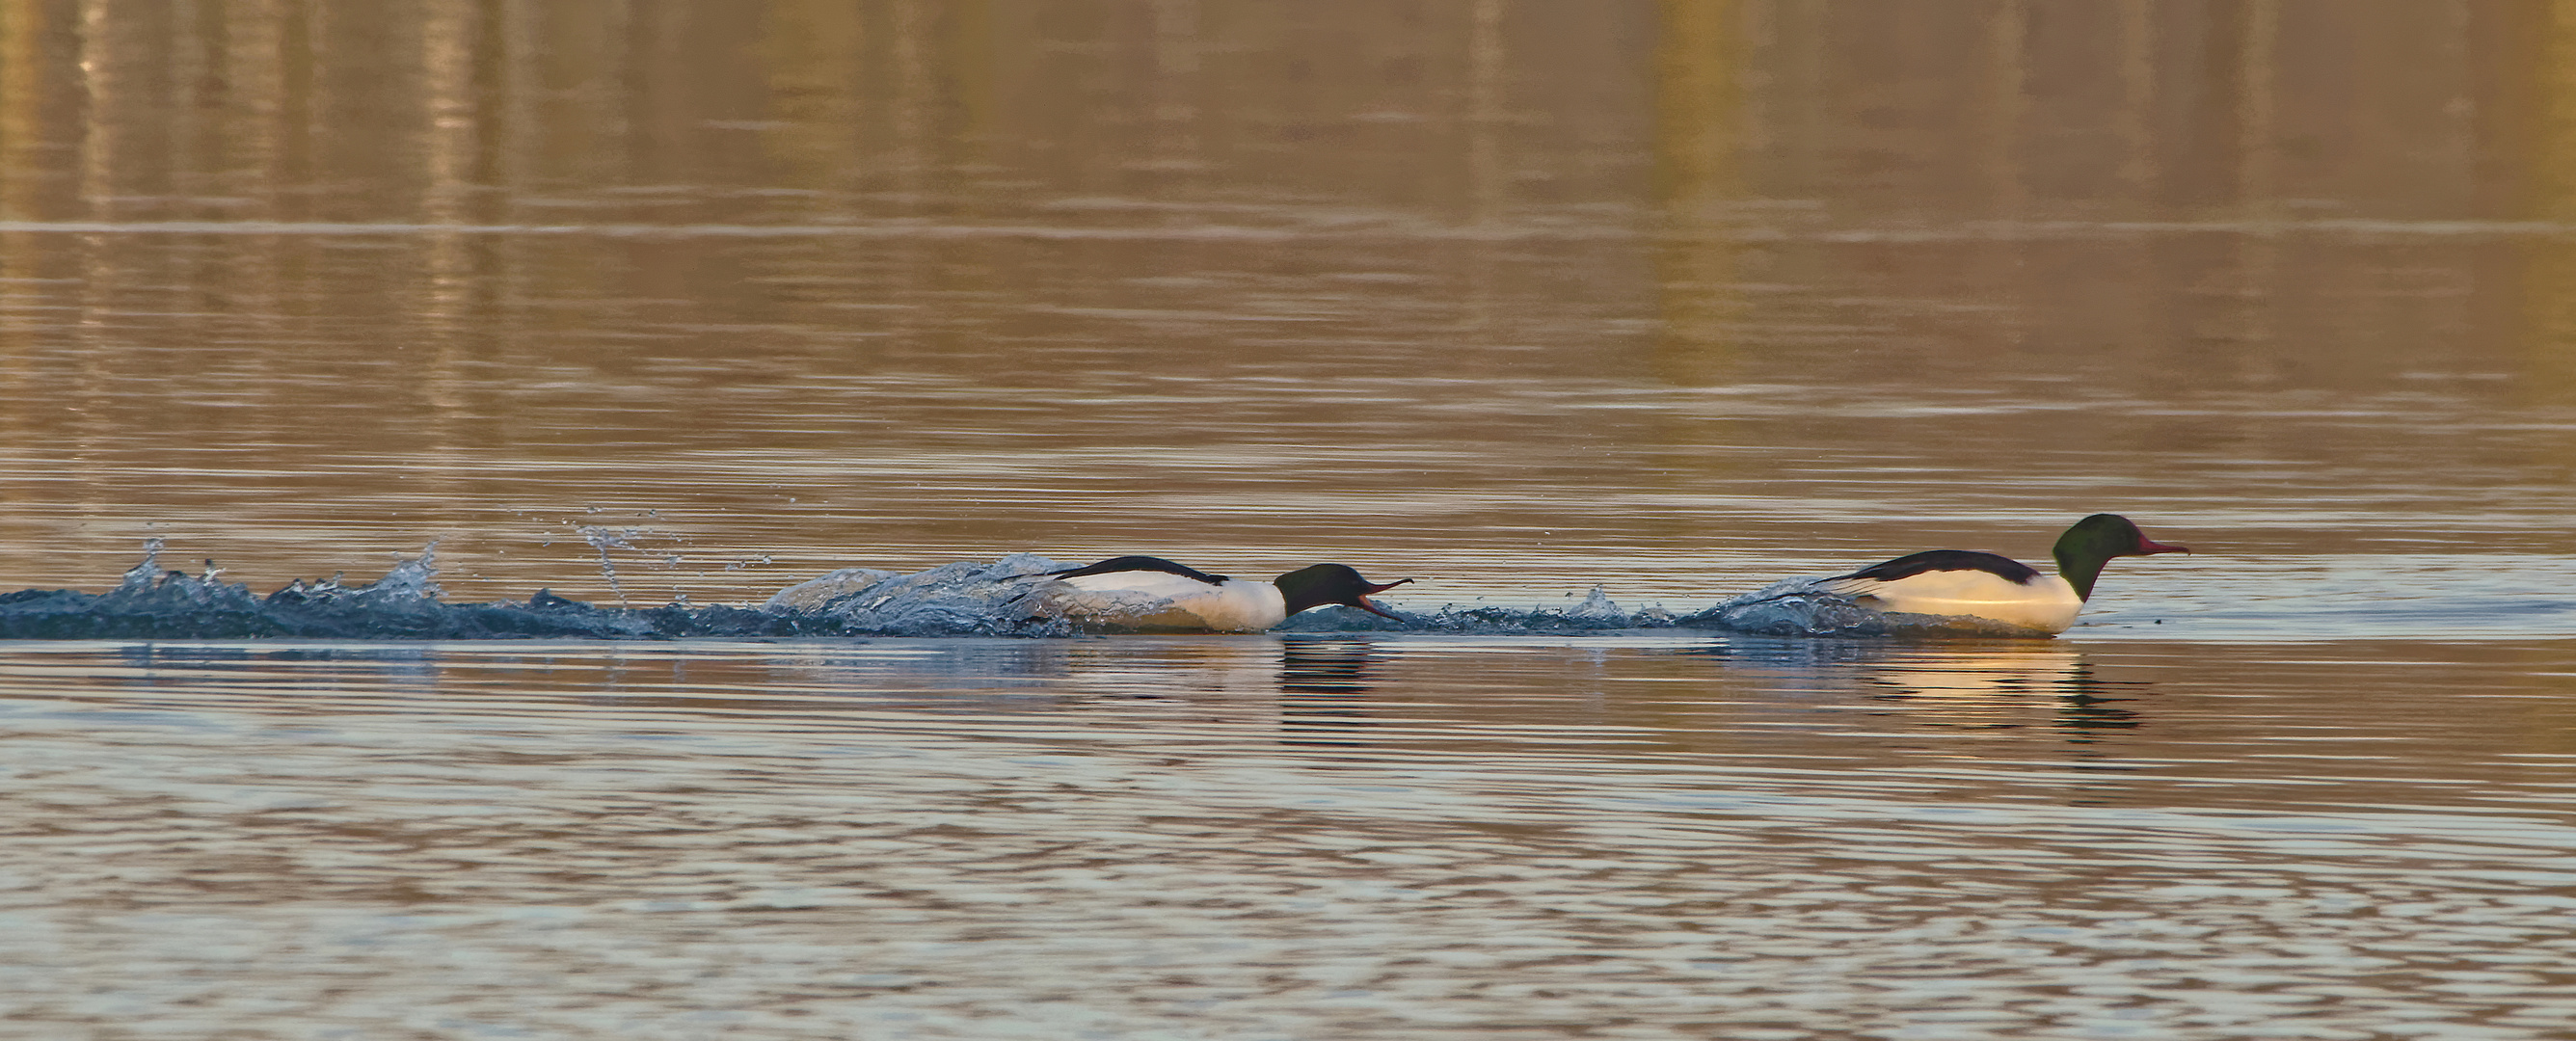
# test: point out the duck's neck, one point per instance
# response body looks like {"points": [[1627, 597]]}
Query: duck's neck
{"points": [[2080, 570]]}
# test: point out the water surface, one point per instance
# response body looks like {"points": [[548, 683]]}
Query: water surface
{"points": [[1291, 837], [695, 301]]}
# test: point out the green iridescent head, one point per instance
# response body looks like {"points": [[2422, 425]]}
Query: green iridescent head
{"points": [[1331, 584], [2093, 541]]}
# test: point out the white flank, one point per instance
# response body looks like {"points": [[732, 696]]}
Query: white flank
{"points": [[2047, 603], [1157, 601]]}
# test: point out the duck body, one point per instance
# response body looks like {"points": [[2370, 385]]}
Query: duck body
{"points": [[1149, 599], [1151, 594], [1964, 582], [1984, 585]]}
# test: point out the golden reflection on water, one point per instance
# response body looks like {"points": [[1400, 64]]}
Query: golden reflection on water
{"points": [[1674, 297]]}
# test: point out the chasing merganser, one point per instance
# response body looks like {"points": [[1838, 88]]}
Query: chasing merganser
{"points": [[1985, 585], [1150, 594]]}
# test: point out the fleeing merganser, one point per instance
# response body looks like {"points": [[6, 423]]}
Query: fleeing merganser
{"points": [[1150, 594], [1984, 585]]}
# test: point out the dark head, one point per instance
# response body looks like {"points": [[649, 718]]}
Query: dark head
{"points": [[1331, 584], [2093, 541]]}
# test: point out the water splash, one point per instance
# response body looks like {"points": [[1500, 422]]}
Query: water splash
{"points": [[1802, 607], [999, 597], [415, 578], [146, 572], [152, 603], [1597, 606], [1594, 613], [603, 540], [966, 598]]}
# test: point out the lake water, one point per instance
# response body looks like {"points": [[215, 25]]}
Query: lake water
{"points": [[691, 302]]}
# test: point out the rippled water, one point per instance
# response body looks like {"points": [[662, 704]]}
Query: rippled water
{"points": [[642, 313], [1290, 837]]}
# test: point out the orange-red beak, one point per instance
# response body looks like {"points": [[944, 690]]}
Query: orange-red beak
{"points": [[1363, 601], [2150, 547]]}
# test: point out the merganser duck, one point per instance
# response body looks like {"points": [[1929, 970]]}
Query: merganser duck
{"points": [[1150, 594], [1985, 585]]}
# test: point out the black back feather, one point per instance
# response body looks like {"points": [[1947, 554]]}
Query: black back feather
{"points": [[1114, 565], [1913, 564]]}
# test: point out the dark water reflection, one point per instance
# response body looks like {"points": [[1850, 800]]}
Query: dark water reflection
{"points": [[1290, 837]]}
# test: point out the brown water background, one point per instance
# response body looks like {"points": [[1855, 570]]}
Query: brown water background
{"points": [[1517, 297]]}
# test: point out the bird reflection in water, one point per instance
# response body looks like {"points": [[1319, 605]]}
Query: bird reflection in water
{"points": [[1982, 687], [1320, 684], [2086, 702], [1960, 685]]}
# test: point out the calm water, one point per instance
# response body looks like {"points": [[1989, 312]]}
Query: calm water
{"points": [[1516, 298]]}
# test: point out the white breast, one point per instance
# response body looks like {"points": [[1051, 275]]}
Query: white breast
{"points": [[2047, 603], [1155, 601]]}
